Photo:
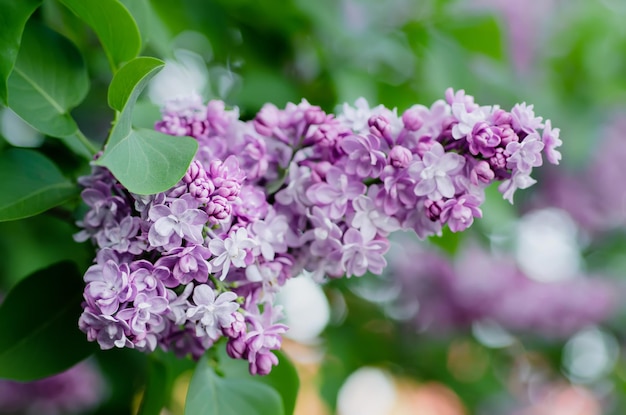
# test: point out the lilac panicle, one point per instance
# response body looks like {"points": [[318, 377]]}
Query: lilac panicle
{"points": [[293, 190]]}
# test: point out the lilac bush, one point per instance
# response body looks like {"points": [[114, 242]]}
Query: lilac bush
{"points": [[293, 190]]}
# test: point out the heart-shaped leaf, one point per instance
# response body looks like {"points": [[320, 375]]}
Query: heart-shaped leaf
{"points": [[38, 322], [13, 17], [148, 162], [30, 184], [144, 161], [211, 394], [114, 26], [48, 80]]}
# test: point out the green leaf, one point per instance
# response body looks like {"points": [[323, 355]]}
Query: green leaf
{"points": [[38, 321], [283, 377], [13, 17], [114, 26], [128, 77], [49, 79], [210, 394], [148, 162], [155, 396], [144, 161], [30, 184], [285, 380]]}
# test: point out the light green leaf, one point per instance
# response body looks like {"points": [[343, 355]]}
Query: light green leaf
{"points": [[38, 322], [48, 80], [30, 184], [13, 17], [144, 161], [129, 77], [114, 26], [148, 162], [283, 377], [211, 394]]}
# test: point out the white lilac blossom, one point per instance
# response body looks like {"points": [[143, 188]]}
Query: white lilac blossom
{"points": [[294, 190]]}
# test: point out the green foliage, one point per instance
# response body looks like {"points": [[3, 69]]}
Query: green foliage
{"points": [[212, 394], [30, 184], [12, 20], [144, 161], [283, 378], [49, 79], [156, 392], [38, 318], [114, 26], [131, 75]]}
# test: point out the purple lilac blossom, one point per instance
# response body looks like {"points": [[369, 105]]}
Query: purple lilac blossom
{"points": [[294, 190]]}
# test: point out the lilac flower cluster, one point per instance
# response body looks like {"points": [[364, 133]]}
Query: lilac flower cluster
{"points": [[479, 286], [293, 190]]}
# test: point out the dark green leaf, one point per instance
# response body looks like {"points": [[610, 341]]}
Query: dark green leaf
{"points": [[114, 26], [30, 184], [210, 394], [38, 321], [13, 17], [49, 79], [144, 161], [155, 396], [129, 76]]}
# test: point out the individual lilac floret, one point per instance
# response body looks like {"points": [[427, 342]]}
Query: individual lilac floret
{"points": [[146, 316], [175, 222], [435, 171], [334, 194], [459, 213], [370, 220], [360, 255], [211, 314], [270, 235], [108, 331], [108, 287], [524, 118], [550, 139], [467, 120], [524, 156], [262, 338], [186, 265], [364, 156], [231, 251]]}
